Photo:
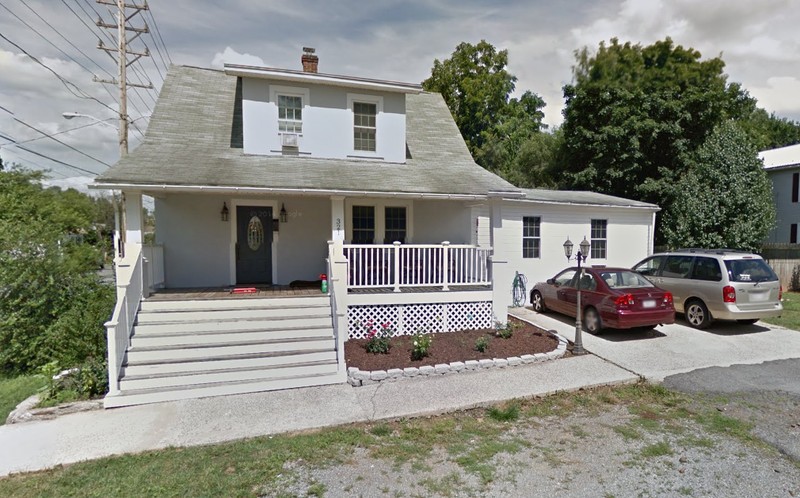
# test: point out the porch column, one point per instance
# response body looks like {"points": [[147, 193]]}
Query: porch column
{"points": [[133, 217], [337, 218], [502, 273]]}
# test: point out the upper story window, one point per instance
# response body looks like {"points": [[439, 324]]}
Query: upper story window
{"points": [[290, 113], [364, 120], [599, 239]]}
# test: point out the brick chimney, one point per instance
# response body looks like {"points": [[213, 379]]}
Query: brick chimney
{"points": [[310, 61]]}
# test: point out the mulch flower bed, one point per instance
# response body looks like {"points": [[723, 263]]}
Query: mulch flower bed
{"points": [[448, 347]]}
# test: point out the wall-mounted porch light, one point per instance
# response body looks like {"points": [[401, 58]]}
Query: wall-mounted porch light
{"points": [[224, 213], [283, 215]]}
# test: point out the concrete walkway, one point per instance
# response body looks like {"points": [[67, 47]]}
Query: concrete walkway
{"points": [[88, 435], [618, 357], [677, 348]]}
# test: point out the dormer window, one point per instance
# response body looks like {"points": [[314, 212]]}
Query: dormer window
{"points": [[364, 119], [290, 114]]}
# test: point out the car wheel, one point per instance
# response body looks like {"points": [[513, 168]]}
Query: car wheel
{"points": [[537, 302], [749, 321], [591, 321], [697, 314]]}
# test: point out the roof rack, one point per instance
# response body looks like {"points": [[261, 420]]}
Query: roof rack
{"points": [[702, 250]]}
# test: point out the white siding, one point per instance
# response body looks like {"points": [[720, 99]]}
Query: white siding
{"points": [[327, 121], [629, 237], [196, 242], [198, 246], [439, 221], [787, 212]]}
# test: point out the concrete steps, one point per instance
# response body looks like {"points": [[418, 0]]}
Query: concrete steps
{"points": [[198, 348]]}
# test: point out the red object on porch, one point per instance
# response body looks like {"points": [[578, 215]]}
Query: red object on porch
{"points": [[244, 290]]}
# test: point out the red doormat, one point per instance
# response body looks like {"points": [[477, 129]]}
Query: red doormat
{"points": [[244, 290]]}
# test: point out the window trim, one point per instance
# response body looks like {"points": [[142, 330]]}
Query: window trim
{"points": [[377, 100], [601, 242], [289, 91], [537, 248]]}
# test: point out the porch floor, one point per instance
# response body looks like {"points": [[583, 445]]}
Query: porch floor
{"points": [[270, 291], [262, 291]]}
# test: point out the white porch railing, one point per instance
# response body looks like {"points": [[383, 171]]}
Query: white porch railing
{"points": [[130, 277], [416, 265], [154, 266]]}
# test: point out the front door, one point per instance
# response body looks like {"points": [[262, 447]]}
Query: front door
{"points": [[253, 245]]}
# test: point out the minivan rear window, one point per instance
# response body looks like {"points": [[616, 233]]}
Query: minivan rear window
{"points": [[749, 270]]}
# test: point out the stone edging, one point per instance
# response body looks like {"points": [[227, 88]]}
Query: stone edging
{"points": [[357, 378], [25, 411]]}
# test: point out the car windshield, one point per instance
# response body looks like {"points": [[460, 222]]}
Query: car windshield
{"points": [[617, 279], [749, 270]]}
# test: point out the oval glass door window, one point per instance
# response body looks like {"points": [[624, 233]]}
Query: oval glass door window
{"points": [[255, 233]]}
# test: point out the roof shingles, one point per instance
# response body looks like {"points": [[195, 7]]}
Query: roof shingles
{"points": [[189, 142]]}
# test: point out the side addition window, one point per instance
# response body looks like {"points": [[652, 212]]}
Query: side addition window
{"points": [[364, 119], [531, 236], [363, 224], [290, 114], [793, 233], [599, 239], [795, 186]]}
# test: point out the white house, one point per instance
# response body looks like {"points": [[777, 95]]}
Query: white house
{"points": [[266, 178], [783, 168]]}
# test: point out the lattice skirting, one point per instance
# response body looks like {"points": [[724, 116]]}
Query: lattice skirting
{"points": [[408, 319]]}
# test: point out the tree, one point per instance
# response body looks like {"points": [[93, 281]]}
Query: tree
{"points": [[635, 115], [476, 87], [726, 200], [768, 131], [52, 305], [475, 84]]}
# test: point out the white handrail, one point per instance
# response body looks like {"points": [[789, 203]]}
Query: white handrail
{"points": [[129, 295], [416, 265]]}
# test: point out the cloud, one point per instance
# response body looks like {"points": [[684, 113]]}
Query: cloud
{"points": [[231, 56]]}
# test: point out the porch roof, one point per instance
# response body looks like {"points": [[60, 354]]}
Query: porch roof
{"points": [[195, 140]]}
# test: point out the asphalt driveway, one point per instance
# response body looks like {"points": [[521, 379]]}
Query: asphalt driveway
{"points": [[677, 348]]}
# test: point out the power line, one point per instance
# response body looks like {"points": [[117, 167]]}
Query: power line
{"points": [[63, 80], [158, 32], [59, 141], [95, 33], [64, 37], [58, 161]]}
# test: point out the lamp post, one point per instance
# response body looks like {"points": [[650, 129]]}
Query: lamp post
{"points": [[580, 257], [70, 115]]}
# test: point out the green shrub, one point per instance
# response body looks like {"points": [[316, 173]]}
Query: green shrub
{"points": [[482, 344], [378, 337], [420, 345]]}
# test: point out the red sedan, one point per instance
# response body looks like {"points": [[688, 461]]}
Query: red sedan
{"points": [[610, 297]]}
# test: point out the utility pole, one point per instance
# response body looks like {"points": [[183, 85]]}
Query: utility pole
{"points": [[122, 61]]}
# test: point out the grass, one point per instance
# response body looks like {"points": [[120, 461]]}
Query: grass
{"points": [[15, 390], [472, 440], [790, 318]]}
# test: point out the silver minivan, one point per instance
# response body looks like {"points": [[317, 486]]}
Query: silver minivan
{"points": [[709, 284]]}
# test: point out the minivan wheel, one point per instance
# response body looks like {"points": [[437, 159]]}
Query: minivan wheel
{"points": [[591, 321], [697, 314], [537, 302]]}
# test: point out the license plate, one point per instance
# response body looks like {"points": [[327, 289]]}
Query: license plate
{"points": [[759, 297], [648, 303]]}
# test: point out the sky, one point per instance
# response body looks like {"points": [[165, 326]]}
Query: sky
{"points": [[385, 39]]}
